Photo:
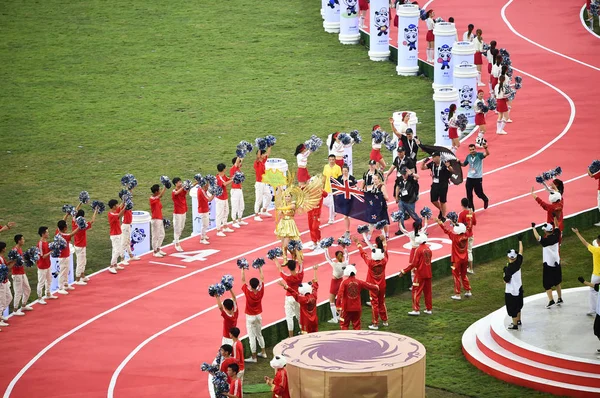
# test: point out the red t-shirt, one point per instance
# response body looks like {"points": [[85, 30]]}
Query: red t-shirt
{"points": [[469, 222], [232, 171], [597, 177], [43, 262], [156, 208], [202, 201], [459, 245], [18, 270], [113, 222], [225, 363], [127, 217], [259, 168], [253, 299], [293, 281], [238, 353], [229, 321], [66, 252], [221, 180], [235, 388], [179, 202], [80, 237]]}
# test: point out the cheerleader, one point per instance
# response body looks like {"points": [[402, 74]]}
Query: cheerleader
{"points": [[403, 125], [430, 38], [418, 228], [479, 114], [478, 59], [501, 105], [453, 128], [363, 6], [376, 151], [337, 148], [301, 155], [338, 264], [468, 35], [509, 95], [379, 187], [490, 56], [496, 71]]}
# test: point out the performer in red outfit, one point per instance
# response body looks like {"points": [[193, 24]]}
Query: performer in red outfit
{"points": [[279, 385], [555, 207], [376, 263], [306, 296], [468, 218], [459, 258], [314, 222], [349, 296], [293, 280], [422, 282]]}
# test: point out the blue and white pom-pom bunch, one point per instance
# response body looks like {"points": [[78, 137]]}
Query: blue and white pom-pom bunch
{"points": [[362, 229], [84, 197], [81, 223], [122, 193], [68, 209], [381, 224], [215, 190], [3, 273], [31, 256], [206, 367], [426, 213], [491, 103], [483, 107], [344, 242], [129, 181], [14, 255], [518, 82], [378, 135], [356, 136], [166, 223], [258, 263], [595, 8], [227, 282], [594, 167], [216, 290], [220, 384], [390, 143], [548, 175], [242, 263], [294, 245], [242, 149], [326, 243], [274, 253], [462, 121], [200, 180], [452, 216], [238, 177], [313, 143], [57, 245], [211, 179], [397, 216], [345, 138], [264, 143], [166, 181], [187, 185]]}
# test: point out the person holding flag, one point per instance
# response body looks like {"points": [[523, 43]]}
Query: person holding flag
{"points": [[349, 181]]}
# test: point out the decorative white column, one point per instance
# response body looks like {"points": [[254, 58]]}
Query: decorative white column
{"points": [[379, 30], [349, 33], [408, 40], [463, 52], [196, 219], [140, 233], [465, 82], [331, 22], [443, 98], [445, 35], [323, 5]]}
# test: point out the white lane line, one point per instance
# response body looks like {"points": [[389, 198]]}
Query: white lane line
{"points": [[585, 24], [167, 264], [503, 13], [391, 251]]}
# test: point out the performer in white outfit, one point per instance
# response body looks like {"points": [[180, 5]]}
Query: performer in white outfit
{"points": [[237, 195], [430, 38], [468, 35], [478, 57], [501, 104]]}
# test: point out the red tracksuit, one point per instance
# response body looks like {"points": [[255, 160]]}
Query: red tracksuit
{"points": [[314, 220], [376, 275], [459, 258], [349, 296], [469, 222], [309, 320], [281, 388], [422, 283]]}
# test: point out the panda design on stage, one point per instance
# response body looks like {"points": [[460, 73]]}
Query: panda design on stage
{"points": [[444, 56], [137, 236], [411, 33], [382, 20], [444, 118], [465, 95], [351, 7]]}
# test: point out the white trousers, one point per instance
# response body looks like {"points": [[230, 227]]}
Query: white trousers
{"points": [[5, 296], [262, 197], [44, 282], [157, 229], [117, 251], [126, 240], [470, 248], [331, 205], [237, 203], [226, 340], [178, 225], [254, 328], [598, 199], [594, 294], [205, 220], [81, 256], [222, 212], [292, 309], [22, 290], [63, 273]]}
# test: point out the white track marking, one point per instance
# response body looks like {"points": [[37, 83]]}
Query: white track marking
{"points": [[167, 264], [585, 24], [503, 13], [391, 251]]}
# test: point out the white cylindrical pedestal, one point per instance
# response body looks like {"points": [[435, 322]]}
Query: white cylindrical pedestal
{"points": [[323, 5], [412, 123], [463, 52], [379, 30], [197, 221], [445, 34], [443, 98], [331, 22], [349, 33], [465, 81], [54, 269], [140, 232], [276, 164], [408, 40]]}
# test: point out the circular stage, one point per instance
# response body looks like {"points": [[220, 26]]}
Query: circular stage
{"points": [[354, 363]]}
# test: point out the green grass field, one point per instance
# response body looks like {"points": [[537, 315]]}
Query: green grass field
{"points": [[91, 91]]}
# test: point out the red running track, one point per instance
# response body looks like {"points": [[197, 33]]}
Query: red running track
{"points": [[150, 327]]}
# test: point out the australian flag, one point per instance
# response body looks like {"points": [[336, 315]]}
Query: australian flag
{"points": [[352, 202]]}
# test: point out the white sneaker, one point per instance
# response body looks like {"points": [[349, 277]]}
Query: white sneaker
{"points": [[373, 327], [178, 248], [119, 267], [502, 133], [260, 354], [62, 291], [4, 324], [19, 313], [134, 258], [242, 222], [330, 222], [221, 234], [69, 287], [3, 318], [204, 242], [597, 224], [80, 283], [508, 121], [456, 297], [40, 301], [86, 279], [468, 294], [125, 262], [250, 360], [470, 271], [207, 237], [112, 270], [227, 229], [257, 218], [157, 255], [414, 313], [481, 84], [28, 308], [162, 252], [332, 320], [235, 225], [266, 214], [50, 297], [386, 324], [368, 303], [428, 312]]}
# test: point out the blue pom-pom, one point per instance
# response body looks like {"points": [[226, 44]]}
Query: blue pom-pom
{"points": [[518, 86], [124, 193], [240, 153], [211, 179], [258, 263], [132, 184], [557, 171], [377, 136], [344, 242], [206, 367], [389, 142], [247, 145], [492, 103], [212, 290], [423, 14], [294, 245], [594, 8], [261, 144], [220, 384], [3, 273], [594, 167], [166, 223], [271, 140], [426, 213], [220, 289], [486, 48], [68, 209], [539, 179], [356, 136], [215, 190], [129, 203], [81, 223], [518, 79], [227, 282], [200, 180], [14, 255], [345, 139], [546, 175], [381, 224], [326, 242], [84, 197], [242, 263], [187, 185], [313, 144], [57, 245], [166, 181], [31, 256], [98, 206], [274, 253], [462, 121], [362, 229], [238, 177], [127, 179], [397, 216], [452, 216]]}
